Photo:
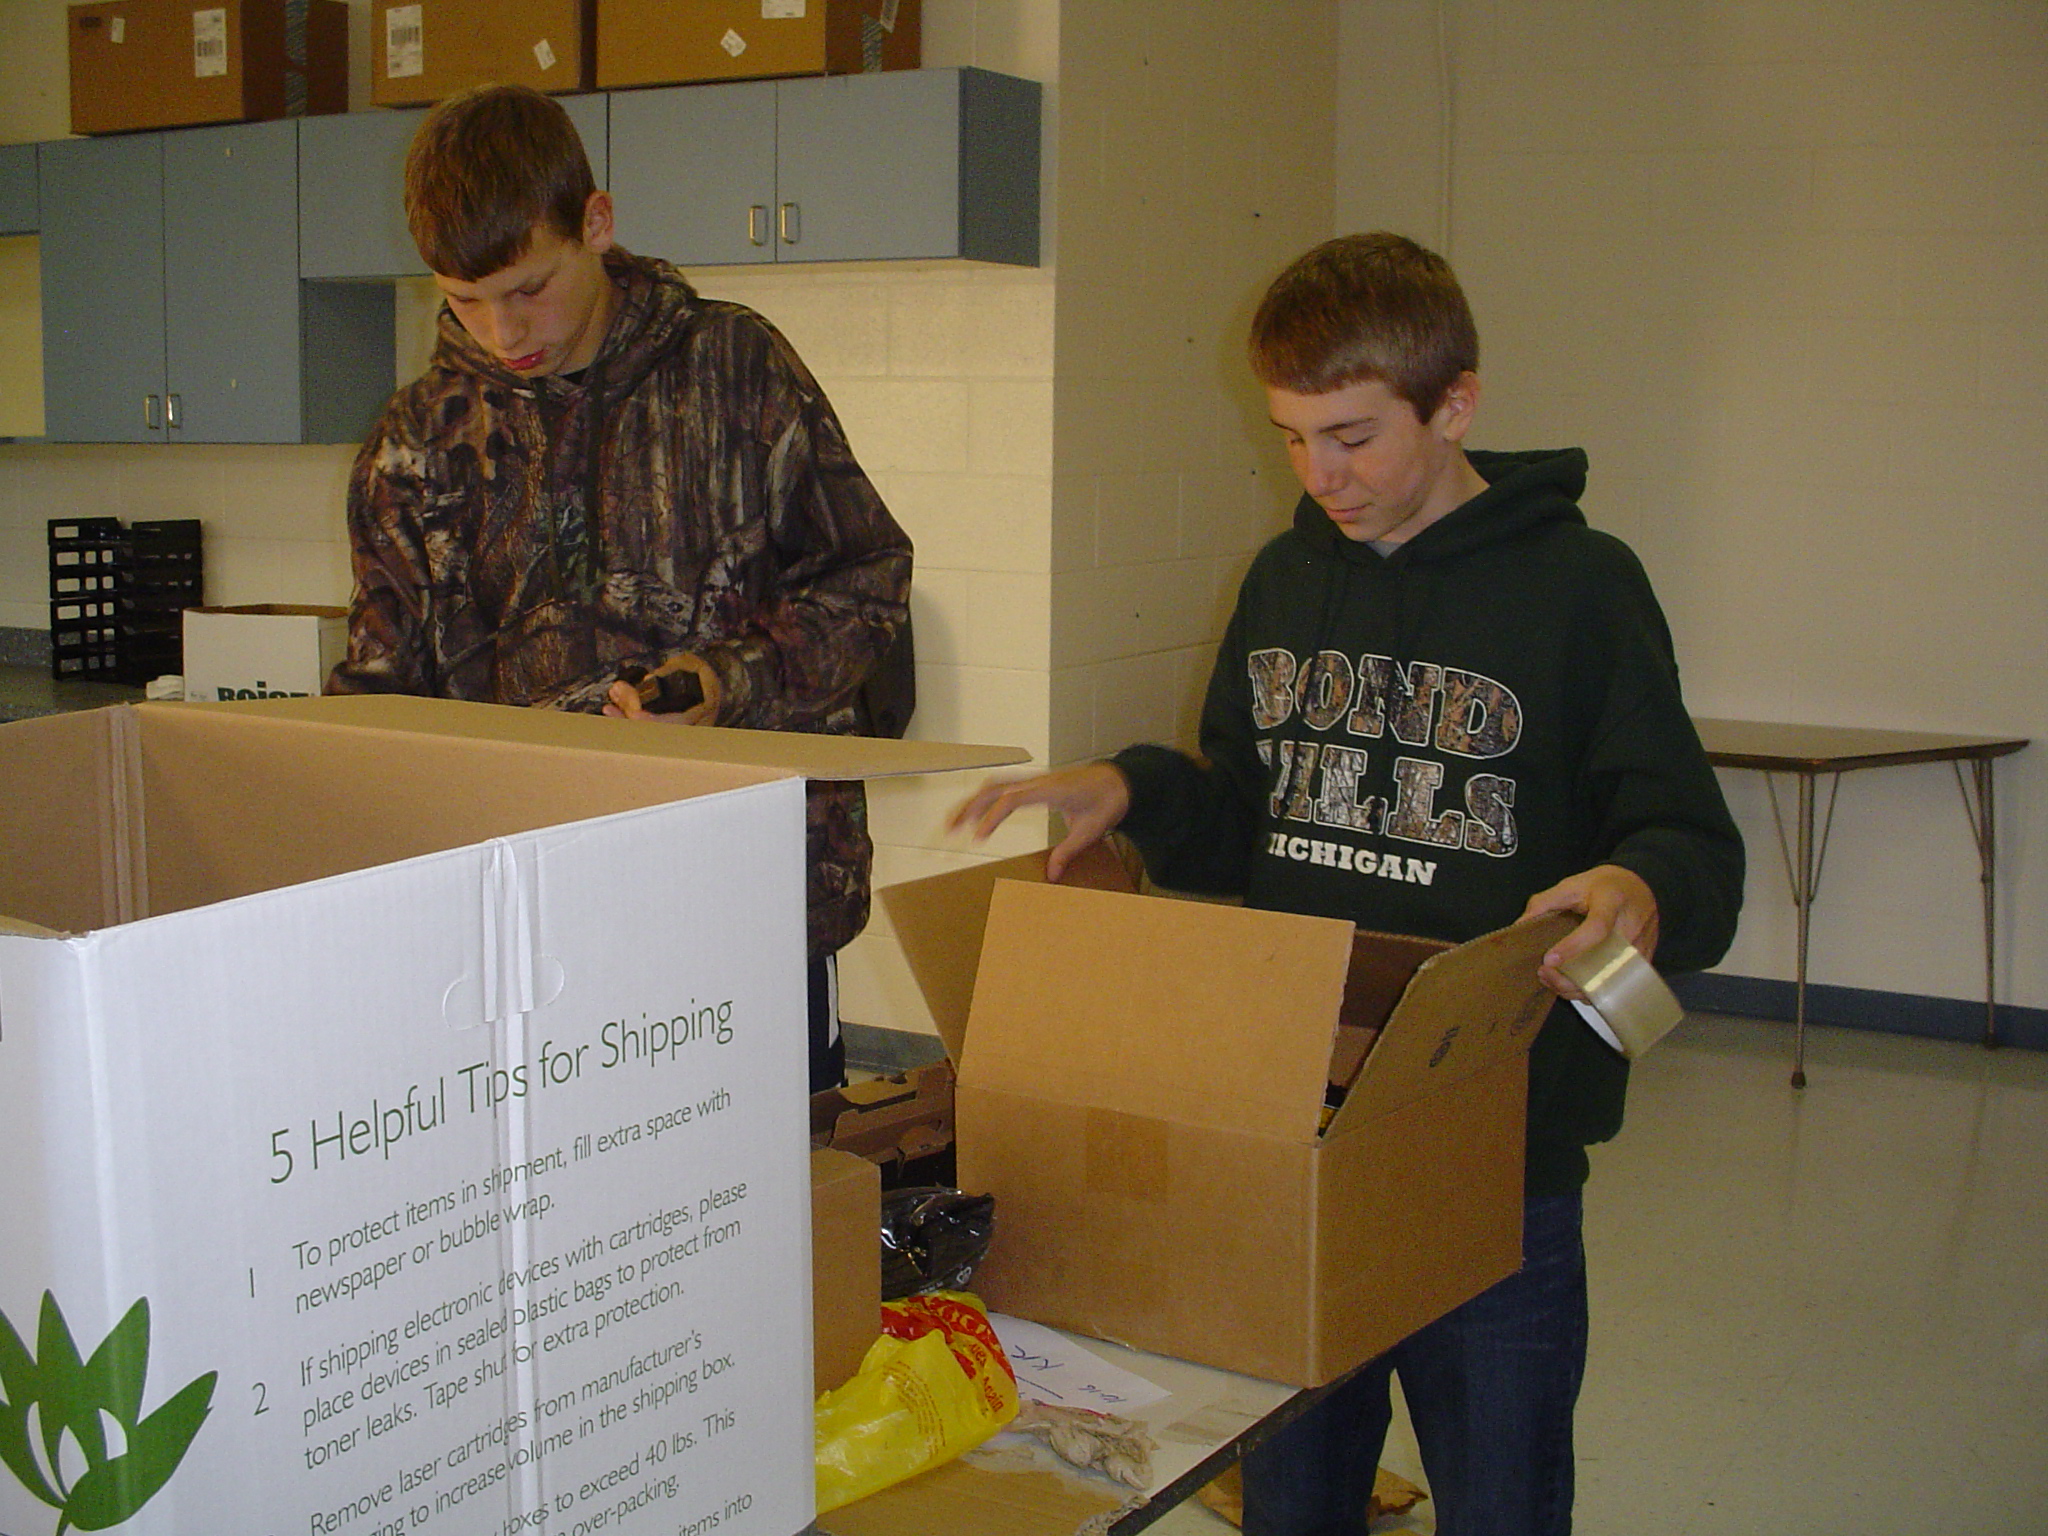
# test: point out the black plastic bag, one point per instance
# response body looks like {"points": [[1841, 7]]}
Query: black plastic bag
{"points": [[932, 1239]]}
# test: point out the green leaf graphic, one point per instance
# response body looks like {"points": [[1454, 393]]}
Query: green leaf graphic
{"points": [[65, 1403], [17, 1366], [114, 1490], [21, 1385], [114, 1375], [71, 1396], [20, 1459]]}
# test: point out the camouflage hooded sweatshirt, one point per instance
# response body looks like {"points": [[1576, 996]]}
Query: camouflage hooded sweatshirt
{"points": [[516, 541]]}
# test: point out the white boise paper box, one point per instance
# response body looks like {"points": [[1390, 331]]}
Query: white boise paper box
{"points": [[261, 651], [383, 1158]]}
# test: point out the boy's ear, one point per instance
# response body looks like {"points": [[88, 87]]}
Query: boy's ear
{"points": [[597, 222], [1460, 403]]}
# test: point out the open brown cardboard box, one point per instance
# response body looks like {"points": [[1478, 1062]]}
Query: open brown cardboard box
{"points": [[1141, 1081]]}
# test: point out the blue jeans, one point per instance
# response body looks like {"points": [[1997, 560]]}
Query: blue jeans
{"points": [[1490, 1389]]}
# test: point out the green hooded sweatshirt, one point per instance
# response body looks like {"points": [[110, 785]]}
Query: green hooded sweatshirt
{"points": [[1418, 742]]}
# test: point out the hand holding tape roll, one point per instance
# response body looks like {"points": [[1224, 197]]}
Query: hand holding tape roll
{"points": [[1628, 1004]]}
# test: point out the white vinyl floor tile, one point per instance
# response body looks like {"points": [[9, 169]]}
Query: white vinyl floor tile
{"points": [[1818, 1312]]}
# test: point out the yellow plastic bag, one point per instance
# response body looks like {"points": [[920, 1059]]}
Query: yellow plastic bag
{"points": [[935, 1384]]}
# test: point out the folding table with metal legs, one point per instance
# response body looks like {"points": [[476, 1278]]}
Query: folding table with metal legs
{"points": [[1808, 752]]}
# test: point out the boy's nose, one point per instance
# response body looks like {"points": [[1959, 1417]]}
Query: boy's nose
{"points": [[505, 332], [1322, 475]]}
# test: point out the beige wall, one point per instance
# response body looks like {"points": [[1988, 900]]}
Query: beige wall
{"points": [[1781, 269]]}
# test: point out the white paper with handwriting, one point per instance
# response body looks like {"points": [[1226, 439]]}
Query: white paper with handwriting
{"points": [[1052, 1368]]}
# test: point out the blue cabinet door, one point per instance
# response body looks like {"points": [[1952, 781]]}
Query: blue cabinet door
{"points": [[103, 286], [231, 284], [693, 172], [926, 163], [868, 166]]}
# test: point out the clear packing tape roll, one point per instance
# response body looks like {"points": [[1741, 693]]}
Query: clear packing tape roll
{"points": [[1630, 1008]]}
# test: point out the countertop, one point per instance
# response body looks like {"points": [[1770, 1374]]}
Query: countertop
{"points": [[27, 691]]}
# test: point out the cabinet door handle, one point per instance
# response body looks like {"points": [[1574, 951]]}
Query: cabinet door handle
{"points": [[757, 224], [172, 414], [790, 220], [150, 419]]}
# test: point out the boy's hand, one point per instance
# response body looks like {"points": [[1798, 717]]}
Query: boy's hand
{"points": [[629, 701], [1614, 900], [1093, 799]]}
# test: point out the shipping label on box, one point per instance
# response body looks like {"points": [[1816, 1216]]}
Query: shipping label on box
{"points": [[442, 1172], [262, 651]]}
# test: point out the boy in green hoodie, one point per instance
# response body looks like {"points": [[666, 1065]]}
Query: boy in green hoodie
{"points": [[1443, 704]]}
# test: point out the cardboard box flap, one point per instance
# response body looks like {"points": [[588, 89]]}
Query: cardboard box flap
{"points": [[70, 844], [939, 921], [813, 756], [1465, 1009], [1057, 999]]}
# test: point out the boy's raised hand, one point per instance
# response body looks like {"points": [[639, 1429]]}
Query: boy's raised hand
{"points": [[1613, 900], [1092, 798]]}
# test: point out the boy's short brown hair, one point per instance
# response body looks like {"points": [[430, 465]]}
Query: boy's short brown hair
{"points": [[1361, 307], [485, 167]]}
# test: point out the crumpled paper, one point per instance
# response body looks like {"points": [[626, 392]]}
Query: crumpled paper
{"points": [[1100, 1442]]}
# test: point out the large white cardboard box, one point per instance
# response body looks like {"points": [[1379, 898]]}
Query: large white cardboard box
{"points": [[262, 650], [403, 1112]]}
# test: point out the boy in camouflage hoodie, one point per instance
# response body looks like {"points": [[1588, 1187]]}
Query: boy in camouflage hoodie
{"points": [[601, 475]]}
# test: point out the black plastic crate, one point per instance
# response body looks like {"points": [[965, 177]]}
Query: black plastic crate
{"points": [[84, 637], [118, 596]]}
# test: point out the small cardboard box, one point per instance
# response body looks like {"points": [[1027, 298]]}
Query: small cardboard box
{"points": [[676, 42], [262, 650], [1141, 1085], [175, 63], [902, 1124], [413, 1094], [423, 50], [846, 1264]]}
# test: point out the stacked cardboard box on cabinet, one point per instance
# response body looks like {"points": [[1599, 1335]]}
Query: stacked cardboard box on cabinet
{"points": [[174, 63], [423, 50], [665, 42]]}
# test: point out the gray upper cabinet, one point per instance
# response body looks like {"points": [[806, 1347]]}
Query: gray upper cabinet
{"points": [[939, 162], [103, 283], [352, 168], [18, 209], [929, 163], [172, 306], [694, 177]]}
